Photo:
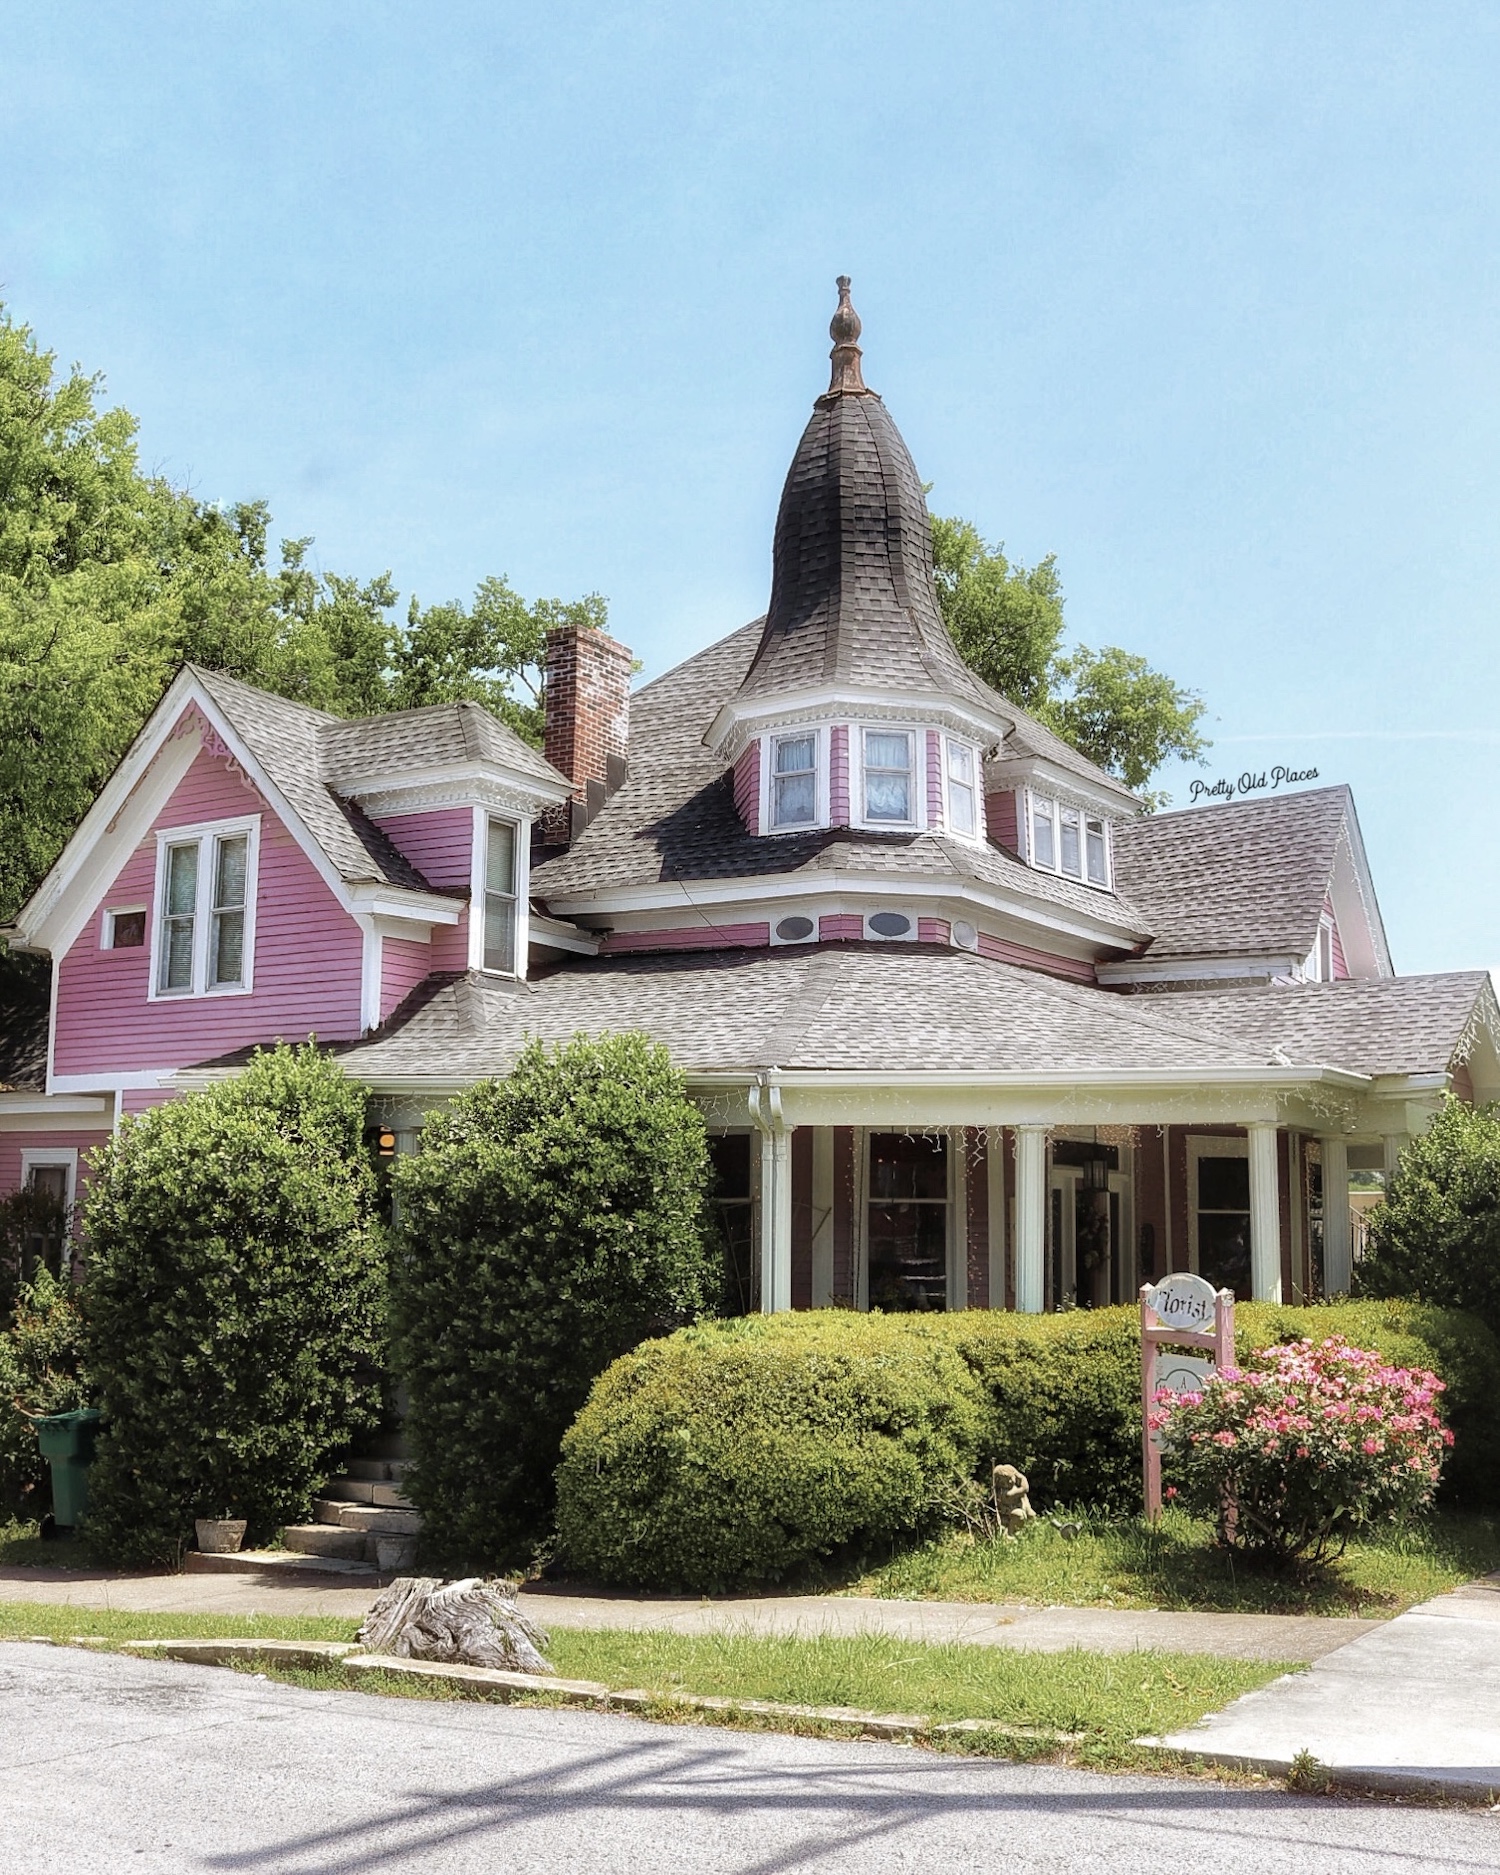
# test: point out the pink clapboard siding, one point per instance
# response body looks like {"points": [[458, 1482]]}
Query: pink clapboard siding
{"points": [[1340, 967], [1076, 969], [1000, 815], [934, 779], [143, 1099], [933, 930], [404, 963], [441, 847], [12, 1145], [307, 957], [838, 775], [703, 937], [841, 927], [747, 788]]}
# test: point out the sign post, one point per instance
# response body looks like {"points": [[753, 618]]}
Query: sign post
{"points": [[1181, 1311]]}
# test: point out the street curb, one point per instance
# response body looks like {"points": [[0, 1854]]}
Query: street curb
{"points": [[1350, 1779]]}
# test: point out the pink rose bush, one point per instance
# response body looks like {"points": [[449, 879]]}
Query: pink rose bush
{"points": [[1317, 1441]]}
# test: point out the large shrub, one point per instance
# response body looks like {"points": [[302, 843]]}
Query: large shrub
{"points": [[1437, 1236], [41, 1371], [234, 1295], [696, 1461], [548, 1222], [1314, 1443], [732, 1453]]}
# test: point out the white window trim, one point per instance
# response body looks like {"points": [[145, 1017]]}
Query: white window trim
{"points": [[479, 853], [205, 832], [975, 785], [1206, 1146], [857, 815], [1312, 969], [1036, 797], [34, 1158], [107, 925], [821, 782]]}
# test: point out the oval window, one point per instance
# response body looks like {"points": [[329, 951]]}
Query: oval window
{"points": [[965, 935], [890, 924], [793, 930]]}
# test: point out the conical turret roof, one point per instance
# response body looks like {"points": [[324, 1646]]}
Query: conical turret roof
{"points": [[853, 603]]}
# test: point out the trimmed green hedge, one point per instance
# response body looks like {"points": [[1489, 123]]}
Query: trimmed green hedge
{"points": [[732, 1453]]}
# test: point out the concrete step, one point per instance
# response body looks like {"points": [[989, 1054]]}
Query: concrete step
{"points": [[322, 1539], [368, 1517], [365, 1468], [278, 1562], [350, 1490], [390, 1497]]}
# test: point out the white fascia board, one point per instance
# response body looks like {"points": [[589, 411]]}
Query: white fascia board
{"points": [[1285, 1080], [1356, 910], [395, 901], [1194, 970], [51, 918], [59, 1108], [558, 934], [1018, 771], [735, 725], [448, 777], [703, 894], [108, 1083]]}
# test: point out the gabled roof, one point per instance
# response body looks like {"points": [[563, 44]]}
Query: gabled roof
{"points": [[675, 818], [440, 735], [1242, 879]]}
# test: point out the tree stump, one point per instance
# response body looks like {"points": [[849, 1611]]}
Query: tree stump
{"points": [[475, 1622]]}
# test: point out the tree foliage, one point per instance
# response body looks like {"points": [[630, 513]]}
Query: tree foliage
{"points": [[234, 1297], [1007, 621], [1437, 1236], [41, 1371], [548, 1222], [111, 579]]}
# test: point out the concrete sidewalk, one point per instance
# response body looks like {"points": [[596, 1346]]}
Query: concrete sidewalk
{"points": [[976, 1624], [1412, 1705]]}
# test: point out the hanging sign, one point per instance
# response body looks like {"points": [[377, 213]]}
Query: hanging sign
{"points": [[1182, 1312]]}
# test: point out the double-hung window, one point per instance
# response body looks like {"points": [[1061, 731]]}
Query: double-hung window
{"points": [[1069, 840], [500, 896], [888, 778], [205, 908], [794, 781], [963, 799]]}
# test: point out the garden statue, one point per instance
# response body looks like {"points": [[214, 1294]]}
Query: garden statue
{"points": [[1012, 1504]]}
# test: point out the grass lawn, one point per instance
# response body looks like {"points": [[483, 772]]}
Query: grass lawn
{"points": [[21, 1547], [1126, 1563], [1108, 1699]]}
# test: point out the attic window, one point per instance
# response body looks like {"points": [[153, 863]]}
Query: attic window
{"points": [[888, 777], [125, 928], [794, 781], [963, 809], [205, 908], [500, 897], [1069, 840]]}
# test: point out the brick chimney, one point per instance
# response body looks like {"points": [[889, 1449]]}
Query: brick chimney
{"points": [[587, 701]]}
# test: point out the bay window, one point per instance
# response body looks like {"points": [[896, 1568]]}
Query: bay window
{"points": [[888, 777], [205, 905]]}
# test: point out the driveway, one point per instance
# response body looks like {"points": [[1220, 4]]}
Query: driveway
{"points": [[111, 1764]]}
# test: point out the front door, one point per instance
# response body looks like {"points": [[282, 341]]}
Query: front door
{"points": [[906, 1221]]}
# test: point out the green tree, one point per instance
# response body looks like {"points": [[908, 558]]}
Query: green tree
{"points": [[1007, 622], [1437, 1236], [548, 1222], [234, 1297]]}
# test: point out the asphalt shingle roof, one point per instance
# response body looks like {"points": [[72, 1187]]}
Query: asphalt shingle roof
{"points": [[439, 734], [675, 817], [1246, 878], [23, 1025]]}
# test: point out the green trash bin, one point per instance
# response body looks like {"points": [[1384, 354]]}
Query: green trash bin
{"points": [[67, 1442]]}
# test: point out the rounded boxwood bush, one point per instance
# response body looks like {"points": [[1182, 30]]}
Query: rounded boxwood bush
{"points": [[734, 1453], [548, 1222], [234, 1295]]}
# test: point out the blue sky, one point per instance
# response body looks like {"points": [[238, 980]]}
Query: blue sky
{"points": [[1203, 298]]}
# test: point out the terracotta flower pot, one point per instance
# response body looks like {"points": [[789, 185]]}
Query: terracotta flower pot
{"points": [[220, 1536]]}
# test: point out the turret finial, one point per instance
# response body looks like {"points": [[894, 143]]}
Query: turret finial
{"points": [[844, 329]]}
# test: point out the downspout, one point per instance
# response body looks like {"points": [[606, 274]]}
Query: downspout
{"points": [[764, 1096]]}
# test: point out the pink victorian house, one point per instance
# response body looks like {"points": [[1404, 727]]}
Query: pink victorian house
{"points": [[968, 1026]]}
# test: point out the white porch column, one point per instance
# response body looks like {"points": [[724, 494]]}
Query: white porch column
{"points": [[775, 1221], [1265, 1214], [1338, 1256], [1031, 1217]]}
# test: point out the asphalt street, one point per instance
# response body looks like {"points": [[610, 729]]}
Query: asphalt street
{"points": [[111, 1764]]}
